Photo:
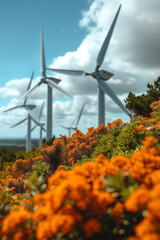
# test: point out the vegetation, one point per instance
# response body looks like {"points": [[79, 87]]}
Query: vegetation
{"points": [[104, 184], [140, 105]]}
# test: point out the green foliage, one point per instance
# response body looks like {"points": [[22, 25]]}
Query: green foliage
{"points": [[6, 202], [46, 143], [3, 174], [39, 169], [140, 105], [37, 185], [106, 145], [121, 186], [7, 157], [120, 141], [25, 155], [6, 164], [127, 143]]}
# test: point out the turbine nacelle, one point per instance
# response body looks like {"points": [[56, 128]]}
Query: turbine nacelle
{"points": [[31, 106], [102, 74], [43, 80]]}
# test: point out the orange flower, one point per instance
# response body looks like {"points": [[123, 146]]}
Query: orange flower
{"points": [[121, 162], [138, 200], [116, 213], [91, 227], [14, 220], [43, 231]]}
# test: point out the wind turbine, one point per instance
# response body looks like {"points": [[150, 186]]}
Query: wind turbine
{"points": [[29, 117], [49, 81], [76, 121], [100, 75], [28, 136]]}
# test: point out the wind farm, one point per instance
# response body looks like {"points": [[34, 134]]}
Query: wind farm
{"points": [[64, 80], [53, 82]]}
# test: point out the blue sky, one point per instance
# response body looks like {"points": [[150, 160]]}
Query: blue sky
{"points": [[73, 34], [20, 25]]}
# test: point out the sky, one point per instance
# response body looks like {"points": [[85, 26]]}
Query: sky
{"points": [[73, 34]]}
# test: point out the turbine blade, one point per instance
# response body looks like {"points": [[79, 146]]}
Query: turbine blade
{"points": [[9, 109], [34, 119], [56, 80], [105, 44], [30, 82], [64, 127], [42, 55], [67, 71], [41, 110], [19, 123], [29, 91], [29, 86], [33, 128], [53, 85], [105, 88], [80, 115], [73, 121]]}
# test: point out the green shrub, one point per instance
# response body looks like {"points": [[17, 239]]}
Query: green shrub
{"points": [[40, 168]]}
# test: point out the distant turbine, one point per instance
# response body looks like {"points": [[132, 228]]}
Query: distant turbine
{"points": [[28, 136], [49, 81], [76, 121], [30, 116], [41, 129], [100, 76]]}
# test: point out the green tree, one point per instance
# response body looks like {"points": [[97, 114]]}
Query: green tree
{"points": [[140, 105]]}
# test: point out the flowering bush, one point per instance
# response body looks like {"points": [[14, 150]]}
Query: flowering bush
{"points": [[114, 199], [114, 195]]}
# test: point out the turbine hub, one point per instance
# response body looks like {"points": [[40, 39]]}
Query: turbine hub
{"points": [[94, 74]]}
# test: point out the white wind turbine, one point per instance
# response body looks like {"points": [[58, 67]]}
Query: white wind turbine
{"points": [[29, 117], [76, 121], [49, 81], [101, 76]]}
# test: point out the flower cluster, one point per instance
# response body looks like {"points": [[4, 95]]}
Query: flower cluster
{"points": [[82, 144]]}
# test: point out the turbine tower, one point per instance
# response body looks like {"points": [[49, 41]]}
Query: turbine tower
{"points": [[30, 117], [100, 75], [76, 121], [50, 82]]}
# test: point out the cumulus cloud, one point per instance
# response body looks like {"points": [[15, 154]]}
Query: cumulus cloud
{"points": [[133, 56]]}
